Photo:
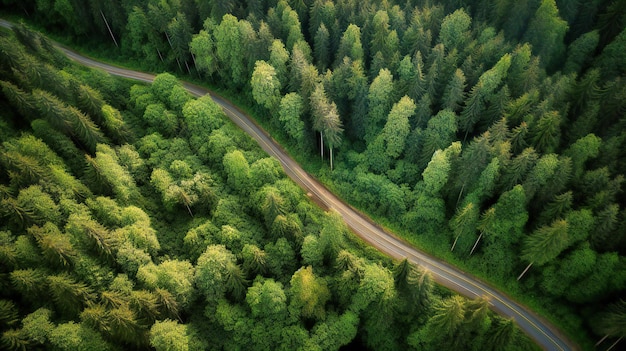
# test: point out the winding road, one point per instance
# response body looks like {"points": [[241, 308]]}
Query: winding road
{"points": [[542, 332]]}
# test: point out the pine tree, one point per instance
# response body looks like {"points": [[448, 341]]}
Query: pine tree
{"points": [[545, 244]]}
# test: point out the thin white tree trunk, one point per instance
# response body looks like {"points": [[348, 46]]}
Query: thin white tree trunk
{"points": [[476, 243], [459, 197], [454, 243], [615, 343], [109, 28], [601, 340], [525, 270]]}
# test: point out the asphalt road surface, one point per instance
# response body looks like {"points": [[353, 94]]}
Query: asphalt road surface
{"points": [[542, 332]]}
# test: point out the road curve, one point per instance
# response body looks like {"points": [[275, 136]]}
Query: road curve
{"points": [[542, 332]]}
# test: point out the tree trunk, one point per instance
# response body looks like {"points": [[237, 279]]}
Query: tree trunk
{"points": [[459, 197], [525, 270], [331, 158], [454, 243], [322, 141], [615, 343], [160, 56], [109, 28], [601, 340], [476, 243]]}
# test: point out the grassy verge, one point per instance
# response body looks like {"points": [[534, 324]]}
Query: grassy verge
{"points": [[314, 166]]}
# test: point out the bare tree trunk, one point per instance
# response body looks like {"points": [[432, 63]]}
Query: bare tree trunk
{"points": [[601, 340], [476, 243], [454, 243], [160, 56], [525, 270], [322, 141], [459, 197], [615, 343], [331, 158], [109, 28], [172, 47]]}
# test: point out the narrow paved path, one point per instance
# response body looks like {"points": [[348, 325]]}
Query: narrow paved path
{"points": [[546, 335]]}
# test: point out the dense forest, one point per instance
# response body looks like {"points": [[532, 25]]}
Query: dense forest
{"points": [[491, 133], [136, 216]]}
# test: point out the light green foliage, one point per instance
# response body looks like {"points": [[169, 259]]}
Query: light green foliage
{"points": [[175, 276], [464, 222], [38, 205], [281, 258], [55, 246], [380, 98], [162, 86], [202, 116], [107, 168], [113, 123], [265, 85], [336, 331], [37, 326], [131, 258], [332, 235], [202, 46], [582, 150], [454, 92], [267, 299], [68, 294], [212, 270], [436, 173], [350, 44], [229, 48], [546, 243], [279, 56], [376, 290], [160, 119], [397, 127], [289, 113], [439, 133], [237, 170], [169, 335], [309, 294], [455, 30], [72, 336], [312, 253]]}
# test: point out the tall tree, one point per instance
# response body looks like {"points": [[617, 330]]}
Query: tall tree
{"points": [[544, 244], [290, 114], [326, 120], [546, 32], [464, 222], [454, 30], [396, 130], [350, 44], [380, 97], [613, 323], [169, 335], [265, 85], [309, 294]]}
